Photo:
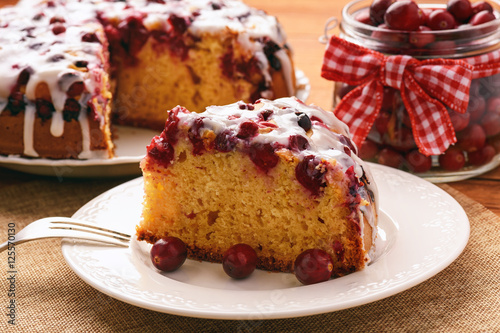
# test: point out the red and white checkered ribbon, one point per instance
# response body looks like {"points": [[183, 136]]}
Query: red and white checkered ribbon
{"points": [[427, 87]]}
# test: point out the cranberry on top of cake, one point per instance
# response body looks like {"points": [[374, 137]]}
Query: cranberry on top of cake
{"points": [[267, 130]]}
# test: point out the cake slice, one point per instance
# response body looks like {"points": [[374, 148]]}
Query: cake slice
{"points": [[280, 176]]}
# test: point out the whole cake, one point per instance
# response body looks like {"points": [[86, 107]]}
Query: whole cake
{"points": [[66, 64], [280, 176]]}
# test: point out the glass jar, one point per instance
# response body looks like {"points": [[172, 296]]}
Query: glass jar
{"points": [[391, 140]]}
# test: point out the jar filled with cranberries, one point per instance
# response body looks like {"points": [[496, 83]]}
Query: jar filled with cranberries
{"points": [[418, 83]]}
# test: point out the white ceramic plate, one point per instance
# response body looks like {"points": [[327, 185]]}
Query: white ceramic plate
{"points": [[422, 230], [130, 149]]}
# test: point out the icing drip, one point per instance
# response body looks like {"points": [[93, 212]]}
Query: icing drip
{"points": [[29, 124], [57, 124]]}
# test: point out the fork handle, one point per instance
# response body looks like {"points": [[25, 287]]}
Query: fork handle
{"points": [[5, 245]]}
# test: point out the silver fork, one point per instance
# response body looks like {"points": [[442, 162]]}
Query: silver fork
{"points": [[65, 227]]}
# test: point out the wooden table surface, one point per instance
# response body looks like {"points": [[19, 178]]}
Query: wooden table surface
{"points": [[304, 22]]}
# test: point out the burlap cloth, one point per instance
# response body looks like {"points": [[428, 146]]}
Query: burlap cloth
{"points": [[464, 297]]}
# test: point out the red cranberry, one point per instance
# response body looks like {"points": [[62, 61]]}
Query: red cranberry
{"points": [[460, 9], [453, 159], [16, 102], [476, 108], [403, 15], [58, 29], [378, 9], [133, 35], [459, 120], [480, 6], [472, 138], [363, 16], [441, 19], [225, 141], [313, 266], [442, 47], [168, 254], [76, 89], [245, 106], [481, 17], [263, 156], [265, 114], [179, 24], [382, 122], [171, 126], [402, 139], [349, 145], [195, 136], [90, 37], [57, 19], [71, 110], [248, 129], [239, 261], [482, 156], [385, 34], [298, 143], [418, 162], [491, 124], [309, 173], [161, 151], [368, 150], [493, 105], [421, 37], [44, 109], [390, 158], [495, 142], [425, 16]]}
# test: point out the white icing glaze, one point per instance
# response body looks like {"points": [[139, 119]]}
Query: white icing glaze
{"points": [[286, 65], [57, 124], [29, 124]]}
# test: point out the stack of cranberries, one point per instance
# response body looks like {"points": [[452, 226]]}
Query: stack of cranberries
{"points": [[406, 15], [402, 23]]}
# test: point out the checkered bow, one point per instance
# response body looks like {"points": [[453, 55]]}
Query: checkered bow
{"points": [[427, 87]]}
